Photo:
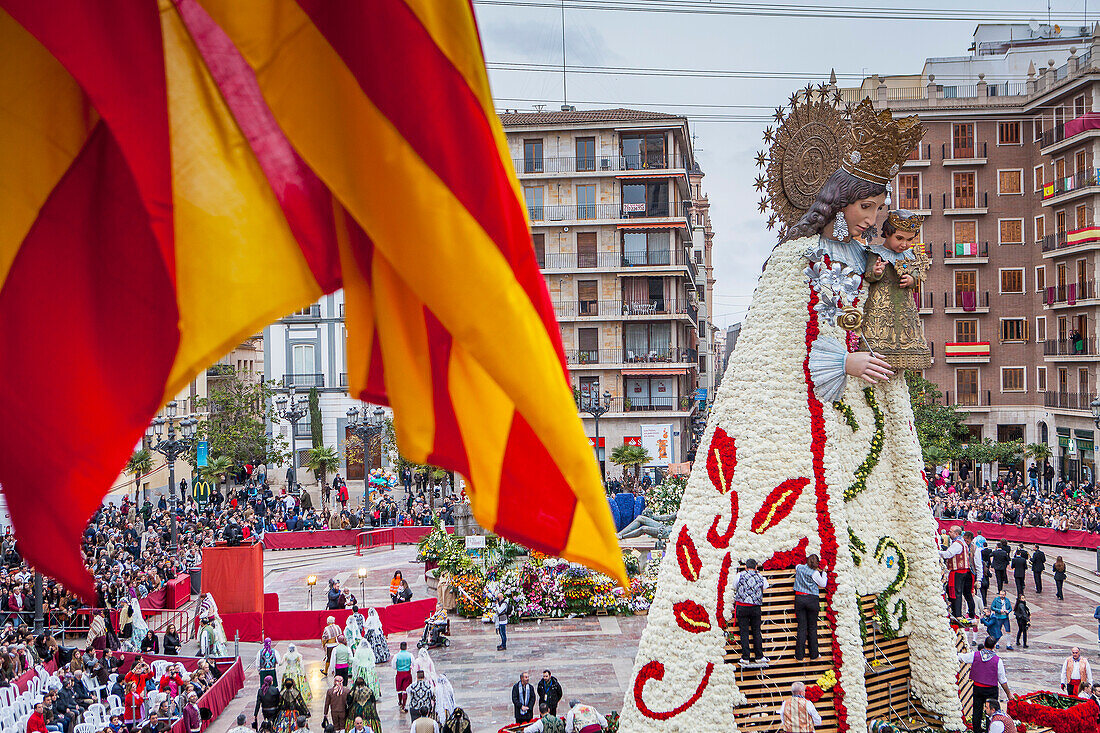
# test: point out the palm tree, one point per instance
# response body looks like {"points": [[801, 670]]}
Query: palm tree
{"points": [[217, 468], [140, 463], [1039, 451], [321, 461], [630, 455]]}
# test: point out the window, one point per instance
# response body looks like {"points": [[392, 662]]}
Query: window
{"points": [[586, 202], [1063, 379], [1010, 182], [588, 297], [539, 240], [966, 386], [1059, 168], [645, 199], [965, 231], [647, 342], [1039, 178], [643, 150], [909, 190], [1082, 272], [1079, 164], [1082, 380], [590, 390], [586, 249], [1012, 379], [962, 140], [1013, 329], [966, 331], [586, 153], [1012, 281], [1041, 378], [532, 195], [1012, 231], [966, 281], [698, 256], [1008, 133], [1060, 222], [1041, 328], [1040, 227], [1081, 217], [964, 190], [1037, 125], [303, 359], [1059, 116], [646, 248], [532, 156], [588, 344], [1079, 106], [1040, 279]]}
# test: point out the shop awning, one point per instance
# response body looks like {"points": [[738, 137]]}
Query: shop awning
{"points": [[653, 372], [653, 225]]}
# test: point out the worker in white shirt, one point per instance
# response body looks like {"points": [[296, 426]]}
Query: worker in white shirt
{"points": [[959, 557], [998, 722], [987, 671], [797, 714], [583, 719], [1075, 669]]}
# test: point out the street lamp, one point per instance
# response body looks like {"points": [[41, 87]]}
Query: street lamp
{"points": [[367, 429], [362, 580], [172, 448], [596, 409], [1095, 407], [292, 408], [311, 581]]}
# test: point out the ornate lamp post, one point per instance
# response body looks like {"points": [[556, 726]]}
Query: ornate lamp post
{"points": [[172, 447], [367, 429], [292, 408], [596, 409]]}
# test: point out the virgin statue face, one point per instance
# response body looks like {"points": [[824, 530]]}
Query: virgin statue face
{"points": [[861, 214]]}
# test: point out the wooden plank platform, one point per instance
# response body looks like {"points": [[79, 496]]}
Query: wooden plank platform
{"points": [[888, 691]]}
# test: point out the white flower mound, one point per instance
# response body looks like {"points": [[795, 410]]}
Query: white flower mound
{"points": [[762, 404]]}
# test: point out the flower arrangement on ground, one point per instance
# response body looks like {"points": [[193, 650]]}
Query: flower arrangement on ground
{"points": [[1062, 713]]}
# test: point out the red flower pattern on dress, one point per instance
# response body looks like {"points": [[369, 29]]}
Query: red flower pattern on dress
{"points": [[721, 460], [687, 556], [788, 559], [722, 541], [691, 617], [778, 504], [656, 671]]}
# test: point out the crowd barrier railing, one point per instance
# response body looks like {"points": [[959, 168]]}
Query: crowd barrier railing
{"points": [[374, 538]]}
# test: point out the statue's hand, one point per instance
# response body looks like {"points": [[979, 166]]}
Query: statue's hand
{"points": [[867, 367], [906, 281]]}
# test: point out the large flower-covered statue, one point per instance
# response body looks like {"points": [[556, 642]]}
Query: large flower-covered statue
{"points": [[810, 448]]}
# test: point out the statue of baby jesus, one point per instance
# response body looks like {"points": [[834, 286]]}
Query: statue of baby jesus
{"points": [[891, 323]]}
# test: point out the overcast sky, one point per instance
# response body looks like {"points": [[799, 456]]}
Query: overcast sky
{"points": [[808, 47]]}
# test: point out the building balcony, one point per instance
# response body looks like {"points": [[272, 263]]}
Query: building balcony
{"points": [[966, 206], [624, 309], [619, 358], [302, 430], [966, 352], [656, 260], [220, 370], [1069, 133], [920, 158], [973, 155], [1071, 242], [1069, 401], [1082, 183], [1071, 295], [304, 380], [1071, 349], [980, 398], [965, 253], [680, 215], [568, 165], [668, 405], [966, 301], [309, 313], [925, 302]]}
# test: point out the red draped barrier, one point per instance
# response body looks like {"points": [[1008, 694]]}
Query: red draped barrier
{"points": [[297, 625], [340, 537], [220, 694], [1028, 535], [172, 595], [23, 681], [155, 601]]}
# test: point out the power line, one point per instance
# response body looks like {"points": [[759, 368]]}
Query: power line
{"points": [[796, 10]]}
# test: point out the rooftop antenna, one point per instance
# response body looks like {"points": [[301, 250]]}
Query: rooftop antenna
{"points": [[564, 82], [1050, 28]]}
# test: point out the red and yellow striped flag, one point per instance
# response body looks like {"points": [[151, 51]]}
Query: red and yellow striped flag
{"points": [[179, 173]]}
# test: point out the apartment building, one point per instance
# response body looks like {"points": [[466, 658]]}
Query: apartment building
{"points": [[1007, 178], [702, 246], [613, 212]]}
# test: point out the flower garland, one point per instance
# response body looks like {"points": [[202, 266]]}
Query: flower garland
{"points": [[857, 546], [1062, 713], [877, 439], [846, 410], [889, 630]]}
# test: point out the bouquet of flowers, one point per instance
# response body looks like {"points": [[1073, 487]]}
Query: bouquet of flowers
{"points": [[1062, 713], [603, 595], [665, 497], [577, 582], [471, 594]]}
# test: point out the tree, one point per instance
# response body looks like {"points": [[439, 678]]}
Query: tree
{"points": [[236, 423], [217, 468], [321, 461], [316, 428], [630, 456], [940, 428], [140, 463], [1039, 452]]}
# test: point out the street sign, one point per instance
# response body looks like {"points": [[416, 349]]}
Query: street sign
{"points": [[202, 449]]}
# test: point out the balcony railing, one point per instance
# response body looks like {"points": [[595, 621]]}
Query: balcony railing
{"points": [[1071, 293], [1074, 238], [302, 430], [652, 404], [969, 398], [628, 356], [222, 369], [950, 152], [1058, 133], [1079, 180], [313, 311], [304, 380], [610, 260], [968, 300], [955, 252], [924, 301], [592, 163], [585, 308], [591, 212], [978, 200], [1070, 347], [1069, 400]]}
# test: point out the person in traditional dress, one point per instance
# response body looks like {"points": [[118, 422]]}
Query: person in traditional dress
{"points": [[341, 658], [423, 663], [267, 701], [336, 704], [294, 668], [362, 668], [329, 637], [209, 646], [355, 629], [798, 715], [267, 661], [139, 628], [208, 609], [376, 637], [459, 722], [362, 703], [445, 701], [291, 705], [1075, 670], [97, 633]]}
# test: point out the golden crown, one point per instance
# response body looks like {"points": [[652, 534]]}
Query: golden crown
{"points": [[879, 144], [905, 221]]}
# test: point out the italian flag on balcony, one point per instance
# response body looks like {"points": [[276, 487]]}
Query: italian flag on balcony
{"points": [[966, 249]]}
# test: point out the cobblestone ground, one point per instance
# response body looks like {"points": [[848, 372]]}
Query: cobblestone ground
{"points": [[591, 657]]}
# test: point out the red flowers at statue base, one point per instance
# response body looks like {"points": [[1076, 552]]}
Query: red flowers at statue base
{"points": [[1045, 709]]}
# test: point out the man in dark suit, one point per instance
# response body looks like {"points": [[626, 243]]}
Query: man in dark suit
{"points": [[1038, 564], [523, 699], [1000, 561]]}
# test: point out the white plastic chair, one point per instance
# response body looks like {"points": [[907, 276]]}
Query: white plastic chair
{"points": [[115, 705], [85, 728], [160, 666], [21, 722], [96, 712], [112, 679]]}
